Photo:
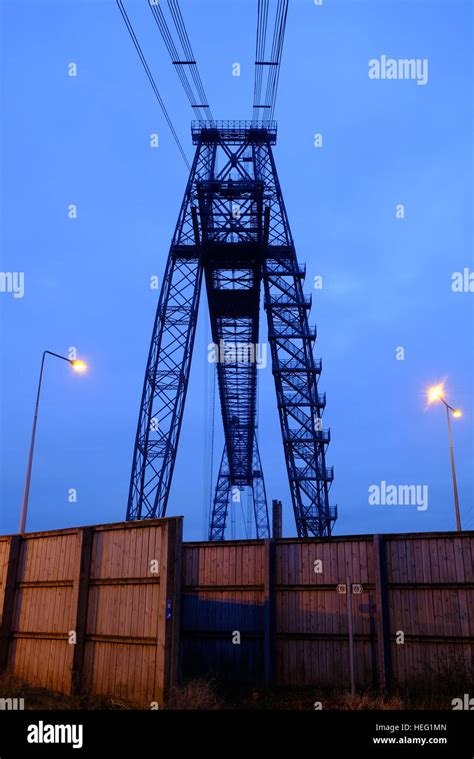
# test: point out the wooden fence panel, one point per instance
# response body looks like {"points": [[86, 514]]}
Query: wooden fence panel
{"points": [[126, 616], [431, 605], [40, 651], [312, 622], [94, 609], [223, 593]]}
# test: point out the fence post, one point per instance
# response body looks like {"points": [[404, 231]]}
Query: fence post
{"points": [[9, 598], [167, 643], [173, 593], [80, 595], [269, 614], [382, 614]]}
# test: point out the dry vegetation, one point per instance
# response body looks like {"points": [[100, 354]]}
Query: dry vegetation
{"points": [[41, 698], [206, 694], [196, 694]]}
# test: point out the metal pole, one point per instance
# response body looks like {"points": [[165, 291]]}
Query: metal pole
{"points": [[350, 624], [276, 519], [453, 470], [24, 505]]}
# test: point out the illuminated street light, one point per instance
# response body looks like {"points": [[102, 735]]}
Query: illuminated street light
{"points": [[435, 393], [78, 366]]}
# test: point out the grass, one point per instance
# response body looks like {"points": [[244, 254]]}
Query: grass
{"points": [[311, 699], [42, 698], [427, 691], [422, 693]]}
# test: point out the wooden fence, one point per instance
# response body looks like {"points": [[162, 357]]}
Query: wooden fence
{"points": [[109, 609], [93, 608], [415, 615]]}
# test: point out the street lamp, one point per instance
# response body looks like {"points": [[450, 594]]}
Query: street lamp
{"points": [[78, 366], [436, 393]]}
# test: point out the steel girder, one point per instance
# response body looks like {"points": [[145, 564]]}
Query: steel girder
{"points": [[226, 490], [295, 370], [259, 495], [169, 359], [233, 227], [220, 507]]}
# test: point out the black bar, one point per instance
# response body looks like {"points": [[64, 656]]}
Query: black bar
{"points": [[345, 733]]}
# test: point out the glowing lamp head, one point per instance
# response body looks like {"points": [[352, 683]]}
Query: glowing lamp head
{"points": [[435, 393], [79, 366], [457, 412]]}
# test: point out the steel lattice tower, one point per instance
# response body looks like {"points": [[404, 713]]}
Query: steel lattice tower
{"points": [[233, 228]]}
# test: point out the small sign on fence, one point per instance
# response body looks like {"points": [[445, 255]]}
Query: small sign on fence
{"points": [[342, 587], [357, 587]]}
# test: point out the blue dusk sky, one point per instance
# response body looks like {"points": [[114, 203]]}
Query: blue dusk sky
{"points": [[387, 281]]}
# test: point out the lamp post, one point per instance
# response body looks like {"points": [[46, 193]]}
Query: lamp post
{"points": [[435, 393], [78, 366]]}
